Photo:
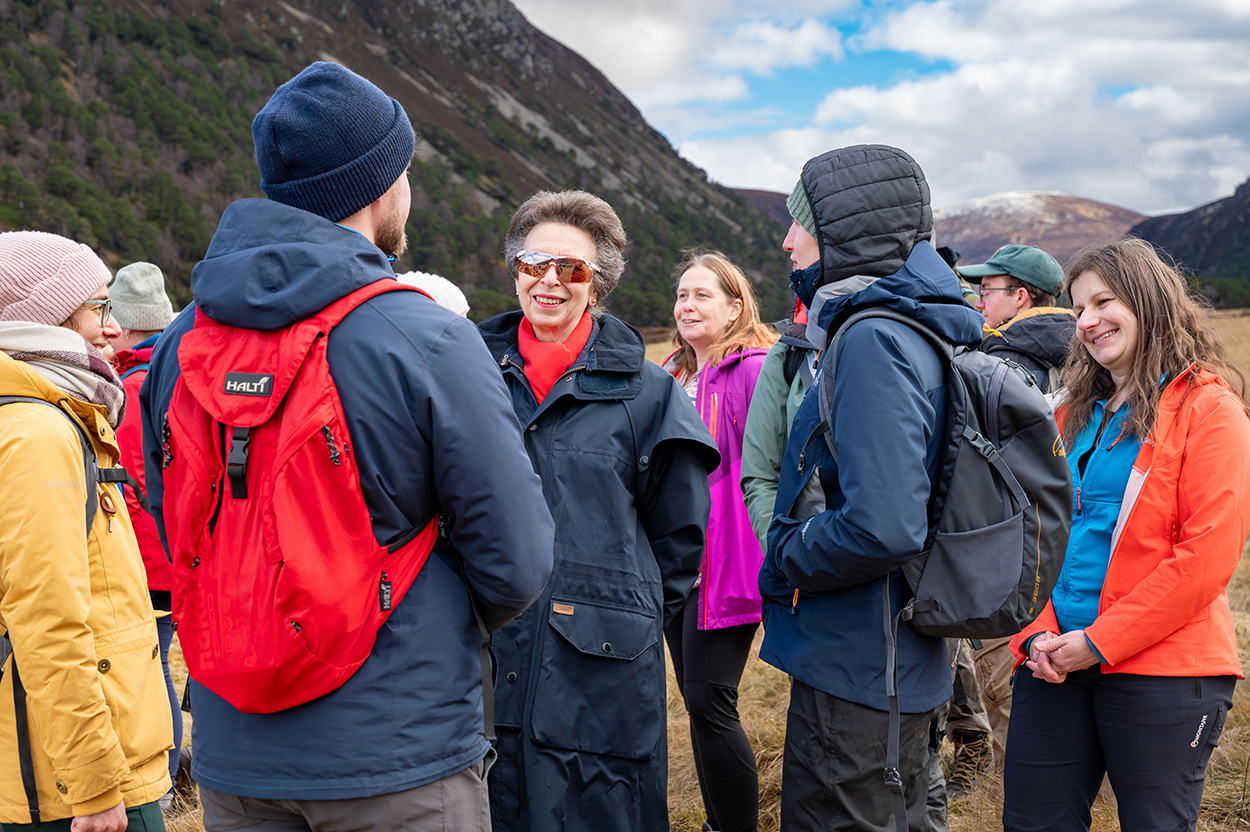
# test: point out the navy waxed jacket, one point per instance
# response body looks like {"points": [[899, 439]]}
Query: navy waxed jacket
{"points": [[871, 503], [581, 702], [432, 426]]}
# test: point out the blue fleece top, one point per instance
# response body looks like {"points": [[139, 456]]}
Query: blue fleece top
{"points": [[1097, 495], [433, 429]]}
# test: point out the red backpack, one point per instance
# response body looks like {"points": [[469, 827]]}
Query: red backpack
{"points": [[279, 584]]}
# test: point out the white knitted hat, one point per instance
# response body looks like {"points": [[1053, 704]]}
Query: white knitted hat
{"points": [[444, 292], [44, 278], [139, 299]]}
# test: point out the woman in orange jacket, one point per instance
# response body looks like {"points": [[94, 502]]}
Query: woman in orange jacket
{"points": [[1134, 659]]}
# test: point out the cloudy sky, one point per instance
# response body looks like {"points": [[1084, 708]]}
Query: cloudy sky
{"points": [[1140, 103]]}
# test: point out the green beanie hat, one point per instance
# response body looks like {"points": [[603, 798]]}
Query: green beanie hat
{"points": [[801, 209]]}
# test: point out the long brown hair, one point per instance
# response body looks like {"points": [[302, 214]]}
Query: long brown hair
{"points": [[743, 333], [1174, 331]]}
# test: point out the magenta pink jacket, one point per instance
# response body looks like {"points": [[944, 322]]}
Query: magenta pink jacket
{"points": [[729, 579]]}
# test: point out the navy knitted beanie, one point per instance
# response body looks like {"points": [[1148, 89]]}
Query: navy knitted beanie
{"points": [[330, 142]]}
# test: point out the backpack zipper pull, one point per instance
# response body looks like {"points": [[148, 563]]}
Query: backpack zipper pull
{"points": [[384, 593], [334, 451], [166, 446]]}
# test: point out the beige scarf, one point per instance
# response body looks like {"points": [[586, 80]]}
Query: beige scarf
{"points": [[64, 358]]}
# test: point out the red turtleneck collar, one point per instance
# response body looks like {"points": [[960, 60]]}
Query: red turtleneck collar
{"points": [[545, 362]]}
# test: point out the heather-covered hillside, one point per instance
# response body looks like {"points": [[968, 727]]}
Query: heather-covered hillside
{"points": [[127, 125]]}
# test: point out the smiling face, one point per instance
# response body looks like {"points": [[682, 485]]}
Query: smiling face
{"points": [[1104, 325], [86, 322], [554, 308], [803, 248], [703, 310]]}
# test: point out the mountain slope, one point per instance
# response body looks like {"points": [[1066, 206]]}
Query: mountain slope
{"points": [[1213, 240], [127, 125], [1057, 223]]}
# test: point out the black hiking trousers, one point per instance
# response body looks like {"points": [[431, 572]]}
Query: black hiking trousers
{"points": [[709, 665], [1151, 735], [833, 769]]}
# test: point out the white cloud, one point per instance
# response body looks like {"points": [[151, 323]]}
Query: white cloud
{"points": [[661, 52], [1141, 103], [763, 46]]}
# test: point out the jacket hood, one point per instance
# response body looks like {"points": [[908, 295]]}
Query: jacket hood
{"points": [[270, 266], [1044, 332], [871, 206], [925, 288]]}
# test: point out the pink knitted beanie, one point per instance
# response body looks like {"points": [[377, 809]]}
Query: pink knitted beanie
{"points": [[45, 277]]}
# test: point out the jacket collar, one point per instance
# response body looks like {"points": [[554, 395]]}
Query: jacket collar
{"points": [[990, 332], [140, 353], [924, 288], [609, 366]]}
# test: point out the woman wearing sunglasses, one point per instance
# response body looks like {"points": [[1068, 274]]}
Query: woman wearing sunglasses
{"points": [[580, 704], [74, 599], [721, 349]]}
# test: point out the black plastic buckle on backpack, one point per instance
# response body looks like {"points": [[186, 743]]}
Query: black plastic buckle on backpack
{"points": [[236, 463], [893, 780]]}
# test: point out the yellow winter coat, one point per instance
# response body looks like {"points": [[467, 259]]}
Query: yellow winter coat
{"points": [[79, 616]]}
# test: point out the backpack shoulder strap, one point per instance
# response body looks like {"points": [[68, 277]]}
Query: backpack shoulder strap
{"points": [[91, 470], [26, 762], [790, 368], [825, 377]]}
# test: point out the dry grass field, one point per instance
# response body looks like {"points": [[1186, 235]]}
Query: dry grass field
{"points": [[764, 696]]}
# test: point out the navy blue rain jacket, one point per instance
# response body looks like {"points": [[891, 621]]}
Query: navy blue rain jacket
{"points": [[581, 705], [432, 426], [889, 416]]}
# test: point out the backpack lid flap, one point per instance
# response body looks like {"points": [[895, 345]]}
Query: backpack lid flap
{"points": [[240, 376]]}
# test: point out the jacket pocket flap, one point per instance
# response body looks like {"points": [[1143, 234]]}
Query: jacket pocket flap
{"points": [[603, 631]]}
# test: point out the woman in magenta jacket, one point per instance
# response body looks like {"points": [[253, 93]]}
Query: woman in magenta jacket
{"points": [[722, 345]]}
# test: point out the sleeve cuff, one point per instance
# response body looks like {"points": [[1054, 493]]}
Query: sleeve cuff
{"points": [[1095, 649], [98, 804]]}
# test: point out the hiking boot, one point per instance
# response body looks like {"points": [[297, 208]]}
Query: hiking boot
{"points": [[974, 755]]}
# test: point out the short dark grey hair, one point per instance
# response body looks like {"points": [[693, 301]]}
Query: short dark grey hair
{"points": [[580, 210]]}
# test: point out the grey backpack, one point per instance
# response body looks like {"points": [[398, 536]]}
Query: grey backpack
{"points": [[999, 513]]}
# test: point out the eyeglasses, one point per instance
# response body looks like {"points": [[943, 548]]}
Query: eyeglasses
{"points": [[106, 309], [981, 290], [568, 269]]}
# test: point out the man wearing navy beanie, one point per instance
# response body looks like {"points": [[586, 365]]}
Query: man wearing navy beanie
{"points": [[402, 744]]}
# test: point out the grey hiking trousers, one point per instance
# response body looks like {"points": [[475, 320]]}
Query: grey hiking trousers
{"points": [[457, 803]]}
